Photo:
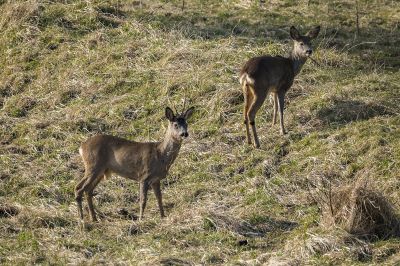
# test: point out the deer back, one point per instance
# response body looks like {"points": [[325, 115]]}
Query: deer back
{"points": [[269, 72], [130, 159]]}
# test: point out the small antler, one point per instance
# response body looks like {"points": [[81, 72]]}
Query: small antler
{"points": [[172, 104], [184, 102], [184, 105], [176, 110]]}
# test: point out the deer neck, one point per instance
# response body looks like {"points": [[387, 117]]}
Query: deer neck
{"points": [[297, 62], [169, 148]]}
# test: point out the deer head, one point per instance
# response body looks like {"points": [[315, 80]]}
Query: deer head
{"points": [[302, 43], [178, 128]]}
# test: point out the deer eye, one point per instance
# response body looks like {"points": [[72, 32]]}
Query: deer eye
{"points": [[301, 44], [176, 125]]}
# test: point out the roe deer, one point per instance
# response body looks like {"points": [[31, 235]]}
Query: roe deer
{"points": [[146, 162], [273, 74]]}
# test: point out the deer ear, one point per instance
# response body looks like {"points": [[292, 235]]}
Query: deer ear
{"points": [[188, 113], [294, 33], [169, 114], [314, 32]]}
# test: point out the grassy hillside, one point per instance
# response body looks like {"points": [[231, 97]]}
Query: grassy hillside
{"points": [[73, 69]]}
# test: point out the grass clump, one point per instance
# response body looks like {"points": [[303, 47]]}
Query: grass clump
{"points": [[360, 211]]}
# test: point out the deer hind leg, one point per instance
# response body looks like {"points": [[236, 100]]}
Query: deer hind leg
{"points": [[254, 107], [248, 98], [78, 197], [89, 193], [274, 98], [89, 197], [144, 187], [157, 192], [83, 186], [281, 98]]}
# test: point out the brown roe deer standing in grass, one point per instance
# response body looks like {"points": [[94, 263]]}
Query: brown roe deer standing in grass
{"points": [[146, 163], [272, 74]]}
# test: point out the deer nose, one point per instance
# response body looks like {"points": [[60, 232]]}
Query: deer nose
{"points": [[309, 52], [185, 134]]}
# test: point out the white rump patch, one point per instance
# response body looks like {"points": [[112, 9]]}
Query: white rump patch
{"points": [[246, 78], [271, 98], [80, 151]]}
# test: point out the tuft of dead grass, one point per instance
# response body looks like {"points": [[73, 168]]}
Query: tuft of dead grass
{"points": [[360, 210]]}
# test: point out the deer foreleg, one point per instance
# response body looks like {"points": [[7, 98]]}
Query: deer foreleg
{"points": [[274, 98], [281, 98], [157, 191], [144, 187]]}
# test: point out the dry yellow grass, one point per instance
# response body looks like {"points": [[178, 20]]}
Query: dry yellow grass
{"points": [[71, 69]]}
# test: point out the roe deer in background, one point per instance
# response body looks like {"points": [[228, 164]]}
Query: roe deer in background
{"points": [[146, 163], [273, 74]]}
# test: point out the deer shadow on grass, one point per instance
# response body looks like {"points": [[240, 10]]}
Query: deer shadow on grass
{"points": [[253, 227], [174, 262], [343, 112], [268, 224]]}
